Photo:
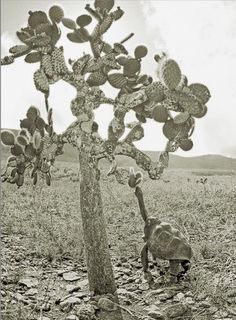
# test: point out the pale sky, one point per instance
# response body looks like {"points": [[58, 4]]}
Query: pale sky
{"points": [[200, 35]]}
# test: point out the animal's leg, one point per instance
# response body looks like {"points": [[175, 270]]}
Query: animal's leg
{"points": [[144, 259], [174, 270], [186, 266]]}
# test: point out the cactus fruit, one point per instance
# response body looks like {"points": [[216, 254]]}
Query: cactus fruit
{"points": [[200, 91], [160, 114], [41, 81], [83, 20], [33, 57], [58, 62], [69, 23], [21, 140], [16, 150], [140, 52], [155, 91], [47, 65], [97, 78], [181, 117], [32, 113], [169, 73], [117, 80], [131, 67], [56, 13], [186, 144], [104, 4], [22, 36], [7, 137], [36, 18]]}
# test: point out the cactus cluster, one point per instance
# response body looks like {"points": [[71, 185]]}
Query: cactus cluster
{"points": [[169, 99], [34, 147]]}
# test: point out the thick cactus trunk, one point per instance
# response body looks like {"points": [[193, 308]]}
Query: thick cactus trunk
{"points": [[99, 267]]}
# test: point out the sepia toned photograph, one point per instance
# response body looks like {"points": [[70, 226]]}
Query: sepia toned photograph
{"points": [[118, 160]]}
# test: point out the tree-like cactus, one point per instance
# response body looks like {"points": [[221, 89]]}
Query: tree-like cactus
{"points": [[37, 145]]}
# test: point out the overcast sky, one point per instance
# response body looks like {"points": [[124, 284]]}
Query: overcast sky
{"points": [[200, 35]]}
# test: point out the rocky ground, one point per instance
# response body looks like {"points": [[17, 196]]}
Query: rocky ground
{"points": [[43, 275]]}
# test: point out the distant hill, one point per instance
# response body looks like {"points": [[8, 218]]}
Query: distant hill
{"points": [[209, 162]]}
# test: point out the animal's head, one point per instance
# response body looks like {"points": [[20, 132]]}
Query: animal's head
{"points": [[150, 223]]}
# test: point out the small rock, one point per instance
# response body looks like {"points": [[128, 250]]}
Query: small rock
{"points": [[81, 294], [70, 301], [122, 291], [156, 315], [213, 309], [176, 310], [71, 276], [178, 297], [46, 307], [189, 301], [163, 297], [83, 283], [144, 286], [43, 318], [72, 317], [72, 288], [205, 304], [31, 292], [3, 293], [106, 304], [29, 282]]}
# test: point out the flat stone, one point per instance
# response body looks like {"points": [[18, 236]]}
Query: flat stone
{"points": [[70, 301], [31, 292], [189, 301], [176, 310], [163, 297], [71, 276], [83, 283], [72, 317], [29, 282], [178, 297], [72, 288], [144, 286], [156, 315]]}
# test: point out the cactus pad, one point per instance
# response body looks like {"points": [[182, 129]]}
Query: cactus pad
{"points": [[58, 62], [160, 114], [83, 20], [97, 78], [32, 113], [140, 52], [56, 14], [16, 150], [181, 117], [7, 137], [155, 91], [117, 80], [69, 23], [33, 57], [131, 67], [41, 81], [36, 18], [21, 140], [186, 144], [169, 73], [104, 4], [172, 131], [200, 91]]}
